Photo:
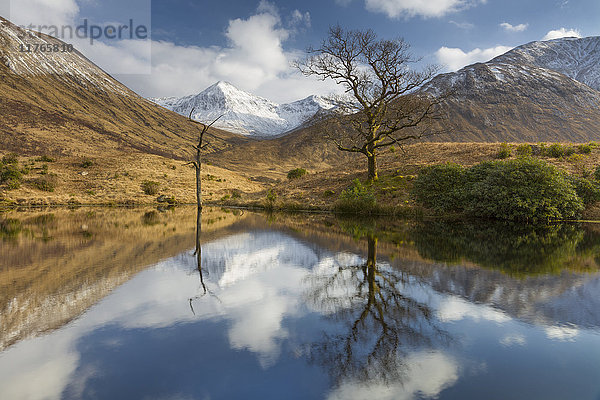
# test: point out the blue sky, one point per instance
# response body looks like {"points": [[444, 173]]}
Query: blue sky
{"points": [[251, 43]]}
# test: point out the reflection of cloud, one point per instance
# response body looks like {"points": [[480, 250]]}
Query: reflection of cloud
{"points": [[514, 339], [260, 304], [456, 309], [426, 375], [255, 300], [561, 333], [38, 368]]}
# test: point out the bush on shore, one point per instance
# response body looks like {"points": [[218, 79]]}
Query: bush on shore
{"points": [[357, 198], [524, 189]]}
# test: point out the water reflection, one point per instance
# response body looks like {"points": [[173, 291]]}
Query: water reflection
{"points": [[381, 322], [516, 249], [217, 305]]}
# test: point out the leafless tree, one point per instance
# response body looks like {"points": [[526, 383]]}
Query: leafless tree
{"points": [[382, 98], [197, 162], [381, 321]]}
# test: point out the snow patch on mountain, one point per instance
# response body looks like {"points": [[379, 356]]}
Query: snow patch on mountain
{"points": [[243, 112], [27, 53], [577, 58]]}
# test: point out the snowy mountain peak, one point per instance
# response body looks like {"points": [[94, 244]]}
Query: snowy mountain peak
{"points": [[577, 58], [244, 112]]}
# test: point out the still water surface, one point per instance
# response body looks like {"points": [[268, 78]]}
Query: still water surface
{"points": [[118, 304]]}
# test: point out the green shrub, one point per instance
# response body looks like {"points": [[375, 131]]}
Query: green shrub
{"points": [[356, 198], [584, 148], [504, 152], [270, 199], [434, 180], [558, 150], [587, 190], [11, 176], [45, 158], [150, 187], [524, 189], [236, 194], [524, 150], [296, 173], [86, 163], [10, 159], [597, 173], [46, 183], [555, 150]]}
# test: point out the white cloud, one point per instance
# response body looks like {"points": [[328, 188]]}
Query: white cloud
{"points": [[254, 58], [455, 58], [43, 12], [561, 33], [424, 8], [426, 375], [457, 309], [462, 25], [514, 28]]}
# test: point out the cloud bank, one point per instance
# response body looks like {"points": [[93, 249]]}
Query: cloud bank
{"points": [[254, 58], [561, 33], [455, 58], [423, 8]]}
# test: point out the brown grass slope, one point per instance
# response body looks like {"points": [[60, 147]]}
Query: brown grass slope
{"points": [[63, 104]]}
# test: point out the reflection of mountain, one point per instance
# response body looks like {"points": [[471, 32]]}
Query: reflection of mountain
{"points": [[53, 266], [543, 275], [236, 258], [257, 330], [544, 300], [530, 272]]}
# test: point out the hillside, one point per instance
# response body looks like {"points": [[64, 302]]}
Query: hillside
{"points": [[542, 91], [62, 104]]}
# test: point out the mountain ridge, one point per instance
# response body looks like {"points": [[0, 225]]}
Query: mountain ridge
{"points": [[244, 113], [518, 97]]}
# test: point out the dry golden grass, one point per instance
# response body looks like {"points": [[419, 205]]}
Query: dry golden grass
{"points": [[116, 177]]}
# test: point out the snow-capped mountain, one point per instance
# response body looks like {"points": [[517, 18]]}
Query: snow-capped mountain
{"points": [[16, 55], [243, 112], [577, 58], [541, 91]]}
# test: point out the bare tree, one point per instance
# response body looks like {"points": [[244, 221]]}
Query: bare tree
{"points": [[381, 321], [382, 97], [197, 163]]}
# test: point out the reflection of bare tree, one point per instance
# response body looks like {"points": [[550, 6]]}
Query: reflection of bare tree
{"points": [[198, 255], [380, 321]]}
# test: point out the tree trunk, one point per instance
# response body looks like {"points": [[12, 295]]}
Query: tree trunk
{"points": [[372, 166], [199, 246], [372, 267], [198, 180]]}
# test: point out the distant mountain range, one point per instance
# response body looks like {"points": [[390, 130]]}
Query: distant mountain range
{"points": [[541, 91], [244, 113], [61, 103]]}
